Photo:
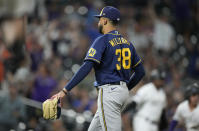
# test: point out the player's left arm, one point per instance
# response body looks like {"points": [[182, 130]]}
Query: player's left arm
{"points": [[138, 69], [138, 74]]}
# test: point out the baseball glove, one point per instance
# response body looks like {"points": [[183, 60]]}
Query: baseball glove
{"points": [[51, 110]]}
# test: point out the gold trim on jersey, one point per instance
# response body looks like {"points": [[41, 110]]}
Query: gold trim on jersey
{"points": [[113, 34], [103, 110], [137, 63], [93, 59]]}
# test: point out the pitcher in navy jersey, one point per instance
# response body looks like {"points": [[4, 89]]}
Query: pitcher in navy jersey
{"points": [[114, 59]]}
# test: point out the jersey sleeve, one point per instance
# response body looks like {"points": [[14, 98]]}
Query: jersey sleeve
{"points": [[136, 60], [178, 114], [140, 96], [165, 102], [96, 50]]}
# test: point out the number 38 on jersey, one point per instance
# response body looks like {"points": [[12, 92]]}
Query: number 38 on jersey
{"points": [[123, 58]]}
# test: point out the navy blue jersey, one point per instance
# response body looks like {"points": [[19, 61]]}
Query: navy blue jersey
{"points": [[115, 57]]}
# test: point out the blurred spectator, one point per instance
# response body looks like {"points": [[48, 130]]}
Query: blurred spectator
{"points": [[84, 103], [56, 68], [4, 54], [193, 68], [163, 36], [136, 33], [44, 83], [36, 55], [12, 109], [58, 125], [23, 72], [183, 15], [81, 101]]}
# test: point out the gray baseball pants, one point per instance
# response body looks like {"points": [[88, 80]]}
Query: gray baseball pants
{"points": [[111, 99]]}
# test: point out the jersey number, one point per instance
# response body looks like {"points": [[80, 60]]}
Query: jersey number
{"points": [[126, 58]]}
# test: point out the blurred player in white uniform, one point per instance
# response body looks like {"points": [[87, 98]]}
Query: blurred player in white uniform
{"points": [[188, 111], [149, 101]]}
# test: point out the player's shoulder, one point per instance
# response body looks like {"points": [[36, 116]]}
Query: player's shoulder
{"points": [[183, 104], [99, 40], [146, 87], [104, 38]]}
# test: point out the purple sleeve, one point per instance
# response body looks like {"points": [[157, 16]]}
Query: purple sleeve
{"points": [[80, 75], [173, 125]]}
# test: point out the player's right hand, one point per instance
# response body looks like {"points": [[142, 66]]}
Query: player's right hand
{"points": [[60, 96], [51, 110]]}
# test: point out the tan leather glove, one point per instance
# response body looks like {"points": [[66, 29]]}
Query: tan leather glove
{"points": [[51, 110]]}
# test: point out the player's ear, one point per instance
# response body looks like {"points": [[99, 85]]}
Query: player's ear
{"points": [[105, 21]]}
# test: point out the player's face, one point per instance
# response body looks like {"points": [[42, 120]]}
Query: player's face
{"points": [[194, 99], [159, 83], [100, 25]]}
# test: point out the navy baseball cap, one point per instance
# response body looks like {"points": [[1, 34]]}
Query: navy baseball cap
{"points": [[109, 12]]}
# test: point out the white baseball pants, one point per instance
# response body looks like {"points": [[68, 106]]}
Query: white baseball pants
{"points": [[141, 124]]}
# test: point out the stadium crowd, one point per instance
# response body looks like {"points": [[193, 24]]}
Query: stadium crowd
{"points": [[58, 35]]}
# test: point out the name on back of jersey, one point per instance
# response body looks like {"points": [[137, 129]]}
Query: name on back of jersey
{"points": [[117, 41]]}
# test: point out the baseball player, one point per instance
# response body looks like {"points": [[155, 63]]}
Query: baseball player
{"points": [[188, 110], [113, 59], [149, 103]]}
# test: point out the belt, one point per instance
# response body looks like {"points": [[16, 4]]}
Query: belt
{"points": [[114, 83]]}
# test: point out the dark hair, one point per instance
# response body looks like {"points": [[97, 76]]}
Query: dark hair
{"points": [[192, 89], [158, 74], [114, 22]]}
